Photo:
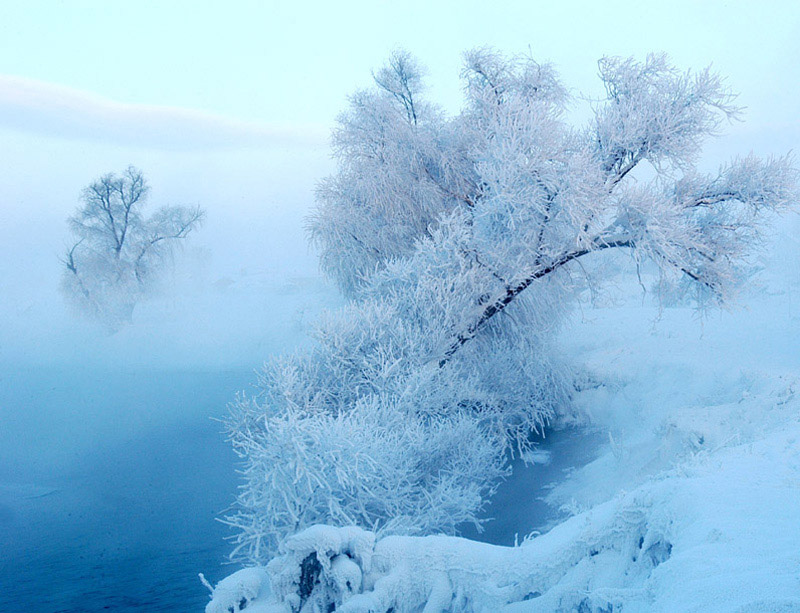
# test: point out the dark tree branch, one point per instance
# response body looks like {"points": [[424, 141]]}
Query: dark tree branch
{"points": [[711, 199], [513, 291], [183, 230], [624, 170], [69, 261], [397, 79]]}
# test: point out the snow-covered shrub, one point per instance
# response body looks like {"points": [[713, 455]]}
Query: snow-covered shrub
{"points": [[372, 466], [459, 242]]}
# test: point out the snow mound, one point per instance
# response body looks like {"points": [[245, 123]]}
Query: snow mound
{"points": [[241, 590]]}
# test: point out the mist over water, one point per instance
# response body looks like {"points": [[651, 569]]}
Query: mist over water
{"points": [[113, 516], [114, 467]]}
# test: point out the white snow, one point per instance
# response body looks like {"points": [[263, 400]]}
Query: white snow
{"points": [[238, 590]]}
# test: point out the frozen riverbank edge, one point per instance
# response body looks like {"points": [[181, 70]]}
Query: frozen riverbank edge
{"points": [[691, 505]]}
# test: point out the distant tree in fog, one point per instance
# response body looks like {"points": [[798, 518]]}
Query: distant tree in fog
{"points": [[118, 255]]}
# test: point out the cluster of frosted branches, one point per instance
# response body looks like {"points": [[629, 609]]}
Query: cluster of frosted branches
{"points": [[456, 239], [118, 253], [365, 428]]}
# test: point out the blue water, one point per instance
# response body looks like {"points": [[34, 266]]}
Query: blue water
{"points": [[518, 508], [111, 483], [110, 486]]}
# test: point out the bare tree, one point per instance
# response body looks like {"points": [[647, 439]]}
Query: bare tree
{"points": [[118, 254]]}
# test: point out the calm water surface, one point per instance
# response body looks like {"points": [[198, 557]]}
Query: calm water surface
{"points": [[110, 483]]}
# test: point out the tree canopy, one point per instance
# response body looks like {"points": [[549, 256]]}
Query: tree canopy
{"points": [[457, 239]]}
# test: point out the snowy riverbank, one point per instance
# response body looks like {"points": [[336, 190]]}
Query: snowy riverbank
{"points": [[690, 504]]}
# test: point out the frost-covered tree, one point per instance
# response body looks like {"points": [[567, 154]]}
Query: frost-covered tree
{"points": [[118, 254], [458, 240]]}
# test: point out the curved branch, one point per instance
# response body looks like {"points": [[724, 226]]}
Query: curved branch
{"points": [[513, 291], [181, 232]]}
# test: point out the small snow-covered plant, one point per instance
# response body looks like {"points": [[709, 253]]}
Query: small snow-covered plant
{"points": [[458, 240], [118, 254]]}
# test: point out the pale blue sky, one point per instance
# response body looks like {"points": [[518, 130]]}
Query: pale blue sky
{"points": [[295, 62], [228, 105]]}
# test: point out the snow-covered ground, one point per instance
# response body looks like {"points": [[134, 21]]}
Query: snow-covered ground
{"points": [[690, 500]]}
